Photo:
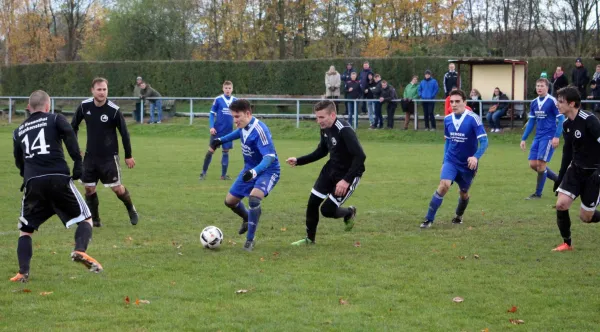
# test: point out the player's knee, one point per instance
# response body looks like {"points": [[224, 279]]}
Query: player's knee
{"points": [[254, 202], [230, 204], [25, 233], [562, 206], [443, 187], [464, 195], [328, 209], [119, 190], [541, 168], [585, 216], [314, 201]]}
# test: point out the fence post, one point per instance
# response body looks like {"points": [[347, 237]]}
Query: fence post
{"points": [[297, 113], [355, 112], [191, 111], [142, 111], [52, 105], [481, 110], [9, 110], [416, 115]]}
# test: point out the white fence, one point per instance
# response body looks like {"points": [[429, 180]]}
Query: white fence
{"points": [[517, 109]]}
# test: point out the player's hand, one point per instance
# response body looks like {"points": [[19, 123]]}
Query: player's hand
{"points": [[523, 145], [215, 144], [555, 142], [213, 131], [77, 170], [249, 175], [381, 99], [341, 188], [22, 186], [292, 161], [130, 162], [472, 161]]}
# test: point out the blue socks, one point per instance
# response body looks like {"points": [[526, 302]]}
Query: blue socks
{"points": [[551, 175], [434, 205], [224, 163], [253, 216], [207, 160], [241, 210]]}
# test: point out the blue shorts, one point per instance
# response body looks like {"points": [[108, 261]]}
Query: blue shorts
{"points": [[226, 146], [265, 182], [541, 149], [459, 174]]}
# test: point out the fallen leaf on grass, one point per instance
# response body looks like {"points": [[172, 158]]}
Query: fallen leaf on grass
{"points": [[476, 256], [462, 257], [283, 229], [516, 321], [453, 245], [24, 290], [114, 246], [276, 254], [54, 253], [513, 309], [180, 254], [485, 330], [73, 278], [458, 299], [232, 243], [470, 228], [241, 291], [127, 301], [357, 244], [262, 259], [45, 293], [173, 283], [144, 302], [129, 238], [137, 301], [343, 302]]}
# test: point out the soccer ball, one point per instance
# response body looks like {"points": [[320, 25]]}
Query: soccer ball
{"points": [[211, 237]]}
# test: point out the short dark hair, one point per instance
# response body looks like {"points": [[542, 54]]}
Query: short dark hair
{"points": [[458, 92], [570, 94], [240, 105], [326, 105], [227, 83], [99, 80]]}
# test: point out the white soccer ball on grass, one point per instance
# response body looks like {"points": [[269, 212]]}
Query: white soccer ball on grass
{"points": [[211, 237]]}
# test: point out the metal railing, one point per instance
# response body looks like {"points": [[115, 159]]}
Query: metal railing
{"points": [[515, 105]]}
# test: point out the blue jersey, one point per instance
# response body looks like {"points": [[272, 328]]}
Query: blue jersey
{"points": [[544, 111], [462, 133], [256, 143], [223, 122]]}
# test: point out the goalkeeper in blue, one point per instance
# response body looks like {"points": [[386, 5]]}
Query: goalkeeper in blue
{"points": [[544, 113], [466, 141], [261, 167]]}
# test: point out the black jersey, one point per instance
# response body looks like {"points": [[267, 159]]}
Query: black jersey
{"points": [[346, 155], [102, 123], [37, 145], [582, 141]]}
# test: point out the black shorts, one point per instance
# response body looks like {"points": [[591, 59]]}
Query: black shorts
{"points": [[49, 195], [106, 170], [325, 186], [578, 182]]}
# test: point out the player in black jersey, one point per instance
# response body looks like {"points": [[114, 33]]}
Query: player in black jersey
{"points": [[339, 176], [101, 162], [47, 185], [580, 168]]}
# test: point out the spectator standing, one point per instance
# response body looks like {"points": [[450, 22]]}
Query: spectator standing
{"points": [[497, 110], [408, 105], [345, 77], [332, 84], [137, 114], [428, 89], [364, 83], [376, 105], [580, 79], [559, 80], [369, 95], [388, 95], [450, 80], [596, 76], [595, 95], [155, 104], [354, 92]]}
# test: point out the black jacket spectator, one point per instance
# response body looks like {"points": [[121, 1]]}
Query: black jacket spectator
{"points": [[450, 80], [377, 90], [356, 92], [580, 77], [345, 77], [388, 94], [372, 86], [559, 83]]}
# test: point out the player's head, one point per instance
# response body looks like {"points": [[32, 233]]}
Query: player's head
{"points": [[414, 79], [568, 99], [143, 85], [100, 89], [39, 101], [497, 91], [227, 88], [366, 65], [138, 80], [458, 100], [559, 70], [598, 68], [451, 66], [541, 86], [427, 74], [326, 113], [384, 84], [241, 110], [578, 62], [377, 77], [353, 76]]}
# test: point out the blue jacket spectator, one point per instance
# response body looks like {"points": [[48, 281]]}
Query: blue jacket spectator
{"points": [[364, 76], [345, 77], [428, 88]]}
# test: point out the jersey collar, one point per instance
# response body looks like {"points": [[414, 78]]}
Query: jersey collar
{"points": [[249, 128], [458, 122]]}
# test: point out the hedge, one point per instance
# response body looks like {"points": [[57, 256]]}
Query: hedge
{"points": [[204, 78]]}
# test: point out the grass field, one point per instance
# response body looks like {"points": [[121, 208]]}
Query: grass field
{"points": [[398, 279]]}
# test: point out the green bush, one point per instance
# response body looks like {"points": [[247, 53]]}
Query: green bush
{"points": [[204, 78]]}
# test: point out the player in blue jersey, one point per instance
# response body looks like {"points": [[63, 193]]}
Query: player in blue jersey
{"points": [[261, 167], [544, 113], [466, 141], [221, 124]]}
